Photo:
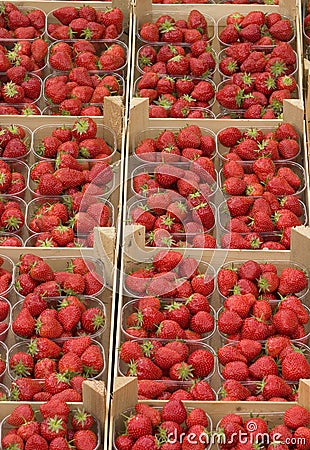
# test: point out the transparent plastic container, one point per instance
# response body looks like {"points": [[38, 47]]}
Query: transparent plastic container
{"points": [[22, 205], [106, 190], [100, 47], [210, 184], [305, 341], [4, 358], [24, 10], [253, 387], [176, 15], [7, 322], [49, 103], [23, 169], [221, 24], [187, 50], [304, 348], [56, 110], [203, 268], [222, 54], [6, 428], [280, 265], [23, 347], [132, 307], [103, 131], [4, 79], [192, 346], [223, 151], [248, 169], [4, 236], [180, 236], [27, 141], [119, 427], [196, 81], [154, 133], [293, 95], [36, 203], [54, 303], [60, 264], [50, 19]]}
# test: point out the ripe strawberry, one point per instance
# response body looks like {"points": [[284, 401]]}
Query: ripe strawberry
{"points": [[20, 415], [296, 417], [295, 366]]}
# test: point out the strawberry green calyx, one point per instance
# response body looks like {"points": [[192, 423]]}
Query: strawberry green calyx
{"points": [[87, 33], [81, 126], [48, 242], [185, 372], [21, 370], [166, 26], [55, 424], [173, 306], [98, 321], [81, 416], [278, 68], [144, 61], [164, 103], [28, 111], [10, 89], [147, 348]]}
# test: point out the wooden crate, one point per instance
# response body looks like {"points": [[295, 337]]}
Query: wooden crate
{"points": [[135, 255], [94, 393], [113, 119], [144, 10], [139, 121], [125, 395]]}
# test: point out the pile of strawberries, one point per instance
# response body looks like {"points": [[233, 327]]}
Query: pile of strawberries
{"points": [[30, 55], [171, 221], [247, 361], [196, 60], [82, 87], [36, 276], [261, 176], [251, 277], [57, 318], [306, 27], [81, 140], [149, 426], [169, 361], [93, 179], [14, 142], [170, 275], [290, 427], [253, 143], [64, 221], [12, 180], [57, 364], [12, 214], [18, 87], [21, 22], [167, 29], [176, 97], [91, 55], [256, 27], [188, 143], [153, 318], [84, 23], [55, 429]]}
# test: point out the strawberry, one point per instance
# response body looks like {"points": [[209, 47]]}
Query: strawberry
{"points": [[296, 417], [295, 366], [23, 389], [20, 415]]}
